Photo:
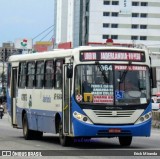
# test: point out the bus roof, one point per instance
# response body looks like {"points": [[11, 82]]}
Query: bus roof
{"points": [[60, 53]]}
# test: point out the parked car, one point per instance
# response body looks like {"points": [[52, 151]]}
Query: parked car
{"points": [[156, 103]]}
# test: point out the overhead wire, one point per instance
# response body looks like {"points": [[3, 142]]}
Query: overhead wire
{"points": [[46, 35], [43, 31]]}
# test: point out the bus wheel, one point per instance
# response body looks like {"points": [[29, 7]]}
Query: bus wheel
{"points": [[26, 132], [125, 140], [63, 139], [37, 134]]}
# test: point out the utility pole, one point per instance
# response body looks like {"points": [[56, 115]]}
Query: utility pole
{"points": [[3, 58]]}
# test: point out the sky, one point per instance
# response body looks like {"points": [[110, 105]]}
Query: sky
{"points": [[26, 19]]}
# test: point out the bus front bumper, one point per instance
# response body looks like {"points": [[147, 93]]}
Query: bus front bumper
{"points": [[81, 129]]}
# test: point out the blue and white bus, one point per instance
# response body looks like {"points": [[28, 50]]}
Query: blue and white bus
{"points": [[81, 92]]}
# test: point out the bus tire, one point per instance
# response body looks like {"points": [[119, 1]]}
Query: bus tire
{"points": [[125, 140], [37, 134], [28, 134], [62, 138]]}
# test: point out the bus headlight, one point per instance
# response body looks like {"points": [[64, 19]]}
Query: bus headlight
{"points": [[81, 117], [144, 118]]}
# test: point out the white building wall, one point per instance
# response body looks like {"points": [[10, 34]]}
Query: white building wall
{"points": [[97, 19], [70, 20], [58, 21]]}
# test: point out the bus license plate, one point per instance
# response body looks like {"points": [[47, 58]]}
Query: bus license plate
{"points": [[114, 130]]}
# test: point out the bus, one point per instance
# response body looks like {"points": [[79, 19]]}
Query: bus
{"points": [[81, 93]]}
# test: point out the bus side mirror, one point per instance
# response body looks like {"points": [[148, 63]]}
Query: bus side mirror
{"points": [[153, 77], [69, 70]]}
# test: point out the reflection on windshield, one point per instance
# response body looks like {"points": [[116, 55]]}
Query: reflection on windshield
{"points": [[91, 85]]}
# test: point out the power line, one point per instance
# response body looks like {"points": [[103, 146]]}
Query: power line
{"points": [[43, 32], [50, 39], [47, 34]]}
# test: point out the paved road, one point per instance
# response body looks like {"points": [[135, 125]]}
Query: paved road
{"points": [[12, 139]]}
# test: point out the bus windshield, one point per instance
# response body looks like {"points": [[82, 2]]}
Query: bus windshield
{"points": [[112, 84]]}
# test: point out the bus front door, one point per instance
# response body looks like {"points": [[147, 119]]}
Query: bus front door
{"points": [[66, 103]]}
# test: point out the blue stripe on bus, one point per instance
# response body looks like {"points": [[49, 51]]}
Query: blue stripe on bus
{"points": [[41, 120], [84, 129]]}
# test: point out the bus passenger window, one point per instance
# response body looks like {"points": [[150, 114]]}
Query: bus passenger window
{"points": [[49, 74], [58, 74], [39, 74], [30, 74], [22, 75]]}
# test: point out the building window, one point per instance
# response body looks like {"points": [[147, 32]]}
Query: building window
{"points": [[105, 37], [144, 3], [39, 74], [135, 26], [134, 37], [135, 14], [22, 75], [114, 26], [143, 38], [106, 2], [30, 74], [143, 15], [115, 2], [106, 14], [105, 25], [135, 3], [114, 36], [114, 14], [143, 26], [49, 74]]}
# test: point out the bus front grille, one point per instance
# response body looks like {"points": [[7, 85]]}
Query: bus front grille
{"points": [[109, 113]]}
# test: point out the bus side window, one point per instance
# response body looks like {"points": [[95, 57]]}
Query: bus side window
{"points": [[39, 74], [30, 74], [22, 75], [49, 74], [58, 73]]}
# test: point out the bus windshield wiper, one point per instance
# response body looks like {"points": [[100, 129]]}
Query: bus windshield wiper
{"points": [[103, 72], [123, 76]]}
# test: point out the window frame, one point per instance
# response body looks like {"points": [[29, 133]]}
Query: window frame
{"points": [[106, 25], [106, 14], [30, 74], [60, 73], [51, 74], [41, 74], [114, 14], [114, 25], [22, 75], [143, 38], [135, 26], [106, 2]]}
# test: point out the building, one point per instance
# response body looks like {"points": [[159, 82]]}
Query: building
{"points": [[124, 21], [137, 22], [41, 46], [7, 50]]}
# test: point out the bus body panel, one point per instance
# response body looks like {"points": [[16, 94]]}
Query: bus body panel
{"points": [[84, 129]]}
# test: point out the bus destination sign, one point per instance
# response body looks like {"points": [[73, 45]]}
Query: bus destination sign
{"points": [[112, 55]]}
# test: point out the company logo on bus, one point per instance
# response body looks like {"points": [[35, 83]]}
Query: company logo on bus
{"points": [[112, 55]]}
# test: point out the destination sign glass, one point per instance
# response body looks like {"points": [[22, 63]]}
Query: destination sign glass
{"points": [[114, 55]]}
